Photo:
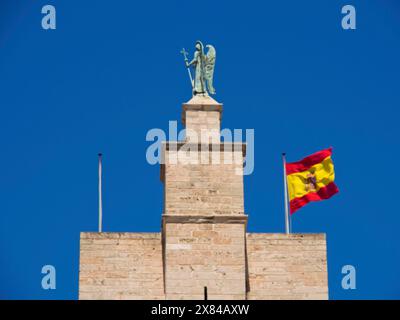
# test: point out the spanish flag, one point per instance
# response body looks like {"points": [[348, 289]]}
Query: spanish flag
{"points": [[311, 179]]}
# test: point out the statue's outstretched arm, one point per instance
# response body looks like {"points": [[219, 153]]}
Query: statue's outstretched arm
{"points": [[191, 63]]}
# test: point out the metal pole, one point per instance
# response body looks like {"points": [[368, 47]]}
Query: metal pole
{"points": [[100, 196], [190, 77], [205, 293], [286, 194]]}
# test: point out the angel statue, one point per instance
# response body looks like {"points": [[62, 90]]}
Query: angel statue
{"points": [[204, 68]]}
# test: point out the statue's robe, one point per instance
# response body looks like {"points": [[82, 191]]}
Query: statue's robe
{"points": [[199, 81]]}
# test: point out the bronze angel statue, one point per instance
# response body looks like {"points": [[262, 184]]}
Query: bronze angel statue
{"points": [[204, 68]]}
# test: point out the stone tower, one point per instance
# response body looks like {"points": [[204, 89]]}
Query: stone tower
{"points": [[203, 240]]}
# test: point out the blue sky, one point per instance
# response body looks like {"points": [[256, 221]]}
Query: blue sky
{"points": [[112, 70]]}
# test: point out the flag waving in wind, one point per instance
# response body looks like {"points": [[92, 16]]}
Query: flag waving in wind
{"points": [[311, 179]]}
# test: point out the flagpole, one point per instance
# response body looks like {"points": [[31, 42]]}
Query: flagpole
{"points": [[100, 196], [286, 194]]}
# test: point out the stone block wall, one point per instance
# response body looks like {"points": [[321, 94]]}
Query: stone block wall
{"points": [[118, 266], [205, 126], [284, 266], [212, 189], [205, 254], [203, 177], [202, 117]]}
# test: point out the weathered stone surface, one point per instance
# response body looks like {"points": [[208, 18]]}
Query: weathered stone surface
{"points": [[204, 177], [205, 255], [198, 254], [201, 117], [204, 189], [121, 266], [284, 266]]}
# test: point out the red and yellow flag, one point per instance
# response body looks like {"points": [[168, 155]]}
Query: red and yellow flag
{"points": [[311, 179]]}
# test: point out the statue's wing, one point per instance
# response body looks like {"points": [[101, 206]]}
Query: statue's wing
{"points": [[209, 67], [210, 61]]}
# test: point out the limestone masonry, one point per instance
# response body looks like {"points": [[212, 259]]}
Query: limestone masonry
{"points": [[203, 240]]}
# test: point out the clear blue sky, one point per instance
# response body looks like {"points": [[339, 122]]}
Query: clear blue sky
{"points": [[112, 70]]}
